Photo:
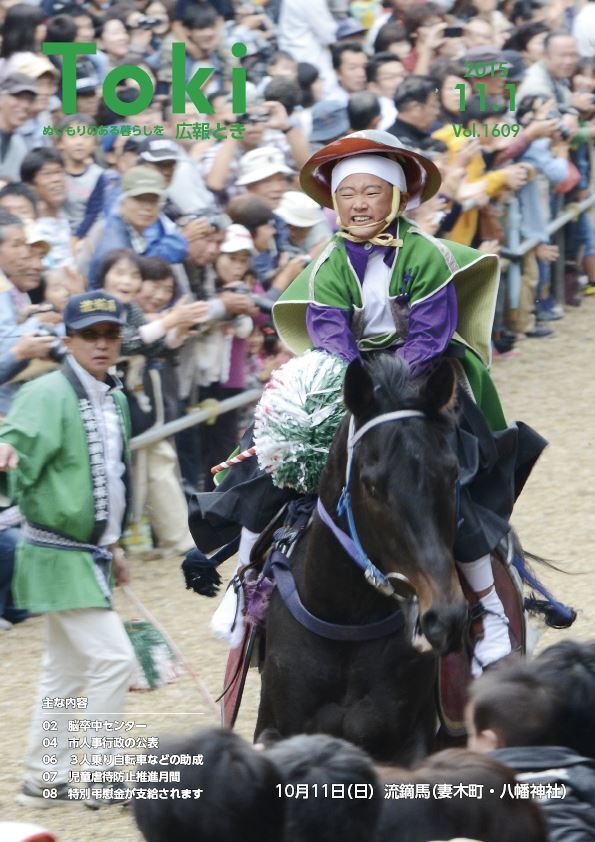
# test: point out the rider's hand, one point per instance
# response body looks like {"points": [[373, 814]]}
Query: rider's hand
{"points": [[9, 458]]}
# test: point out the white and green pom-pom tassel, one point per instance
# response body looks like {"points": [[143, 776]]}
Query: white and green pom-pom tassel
{"points": [[297, 417]]}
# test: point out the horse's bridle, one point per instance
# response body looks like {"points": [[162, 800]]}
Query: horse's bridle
{"points": [[351, 543]]}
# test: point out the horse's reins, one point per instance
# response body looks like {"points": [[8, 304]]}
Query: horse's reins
{"points": [[351, 543]]}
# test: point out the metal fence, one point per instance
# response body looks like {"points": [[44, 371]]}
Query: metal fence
{"points": [[198, 416]]}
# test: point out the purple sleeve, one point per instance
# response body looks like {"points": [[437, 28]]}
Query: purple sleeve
{"points": [[431, 327], [329, 329]]}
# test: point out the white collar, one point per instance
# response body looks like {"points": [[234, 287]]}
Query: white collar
{"points": [[91, 384]]}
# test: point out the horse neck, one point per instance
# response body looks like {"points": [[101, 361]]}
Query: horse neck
{"points": [[333, 586]]}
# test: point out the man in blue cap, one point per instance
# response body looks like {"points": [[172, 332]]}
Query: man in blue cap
{"points": [[64, 447]]}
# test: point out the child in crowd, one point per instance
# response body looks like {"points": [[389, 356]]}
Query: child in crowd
{"points": [[538, 717], [78, 147]]}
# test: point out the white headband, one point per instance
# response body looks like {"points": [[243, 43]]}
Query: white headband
{"points": [[373, 164]]}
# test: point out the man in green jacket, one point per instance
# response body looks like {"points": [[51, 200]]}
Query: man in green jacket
{"points": [[64, 448]]}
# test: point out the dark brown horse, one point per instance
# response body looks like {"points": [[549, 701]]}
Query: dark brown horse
{"points": [[378, 693]]}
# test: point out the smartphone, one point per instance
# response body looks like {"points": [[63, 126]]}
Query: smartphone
{"points": [[452, 32]]}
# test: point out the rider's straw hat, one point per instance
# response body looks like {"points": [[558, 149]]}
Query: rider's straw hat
{"points": [[422, 176]]}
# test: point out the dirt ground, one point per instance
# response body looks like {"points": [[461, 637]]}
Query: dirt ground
{"points": [[550, 385]]}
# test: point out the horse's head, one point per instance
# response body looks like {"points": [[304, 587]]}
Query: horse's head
{"points": [[403, 486]]}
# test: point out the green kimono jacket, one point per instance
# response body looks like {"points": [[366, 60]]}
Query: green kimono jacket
{"points": [[53, 488], [423, 265]]}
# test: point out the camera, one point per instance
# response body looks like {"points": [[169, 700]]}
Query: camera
{"points": [[57, 350], [147, 23], [264, 304], [252, 117], [562, 129]]}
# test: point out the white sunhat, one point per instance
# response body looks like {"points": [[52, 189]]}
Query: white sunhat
{"points": [[299, 210], [261, 163], [237, 238]]}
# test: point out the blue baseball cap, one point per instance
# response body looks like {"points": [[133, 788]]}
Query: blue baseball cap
{"points": [[329, 120], [91, 308]]}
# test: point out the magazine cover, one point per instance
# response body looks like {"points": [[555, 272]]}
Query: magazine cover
{"points": [[294, 295]]}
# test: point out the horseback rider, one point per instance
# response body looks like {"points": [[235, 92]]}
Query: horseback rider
{"points": [[383, 284]]}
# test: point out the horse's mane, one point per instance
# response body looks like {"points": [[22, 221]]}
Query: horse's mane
{"points": [[392, 379]]}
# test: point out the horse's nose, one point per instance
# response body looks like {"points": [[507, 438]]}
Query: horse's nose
{"points": [[443, 626]]}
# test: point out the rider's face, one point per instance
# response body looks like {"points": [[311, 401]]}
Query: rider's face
{"points": [[364, 201]]}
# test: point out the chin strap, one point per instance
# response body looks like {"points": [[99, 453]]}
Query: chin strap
{"points": [[384, 237]]}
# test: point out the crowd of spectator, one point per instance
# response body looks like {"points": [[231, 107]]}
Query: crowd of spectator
{"points": [[527, 775], [196, 222]]}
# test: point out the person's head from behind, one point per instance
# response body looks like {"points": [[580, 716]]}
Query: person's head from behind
{"points": [[484, 808], [311, 85], [143, 195], [331, 764], [43, 170], [257, 216], [363, 110], [238, 794], [385, 73], [234, 257], [19, 199], [119, 274], [158, 286], [568, 669], [286, 90], [560, 54], [93, 322], [510, 706], [349, 63], [14, 251]]}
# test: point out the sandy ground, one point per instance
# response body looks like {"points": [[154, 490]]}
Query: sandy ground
{"points": [[550, 385]]}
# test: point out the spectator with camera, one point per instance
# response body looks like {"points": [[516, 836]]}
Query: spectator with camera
{"points": [[138, 223], [264, 125], [550, 76]]}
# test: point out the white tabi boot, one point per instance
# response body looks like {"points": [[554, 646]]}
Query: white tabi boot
{"points": [[495, 643], [227, 623]]}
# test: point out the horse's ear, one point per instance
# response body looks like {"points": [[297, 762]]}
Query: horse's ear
{"points": [[439, 390], [358, 390]]}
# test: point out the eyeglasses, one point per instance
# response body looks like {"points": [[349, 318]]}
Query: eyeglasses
{"points": [[111, 334]]}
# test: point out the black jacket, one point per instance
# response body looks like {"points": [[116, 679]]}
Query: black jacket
{"points": [[569, 819]]}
